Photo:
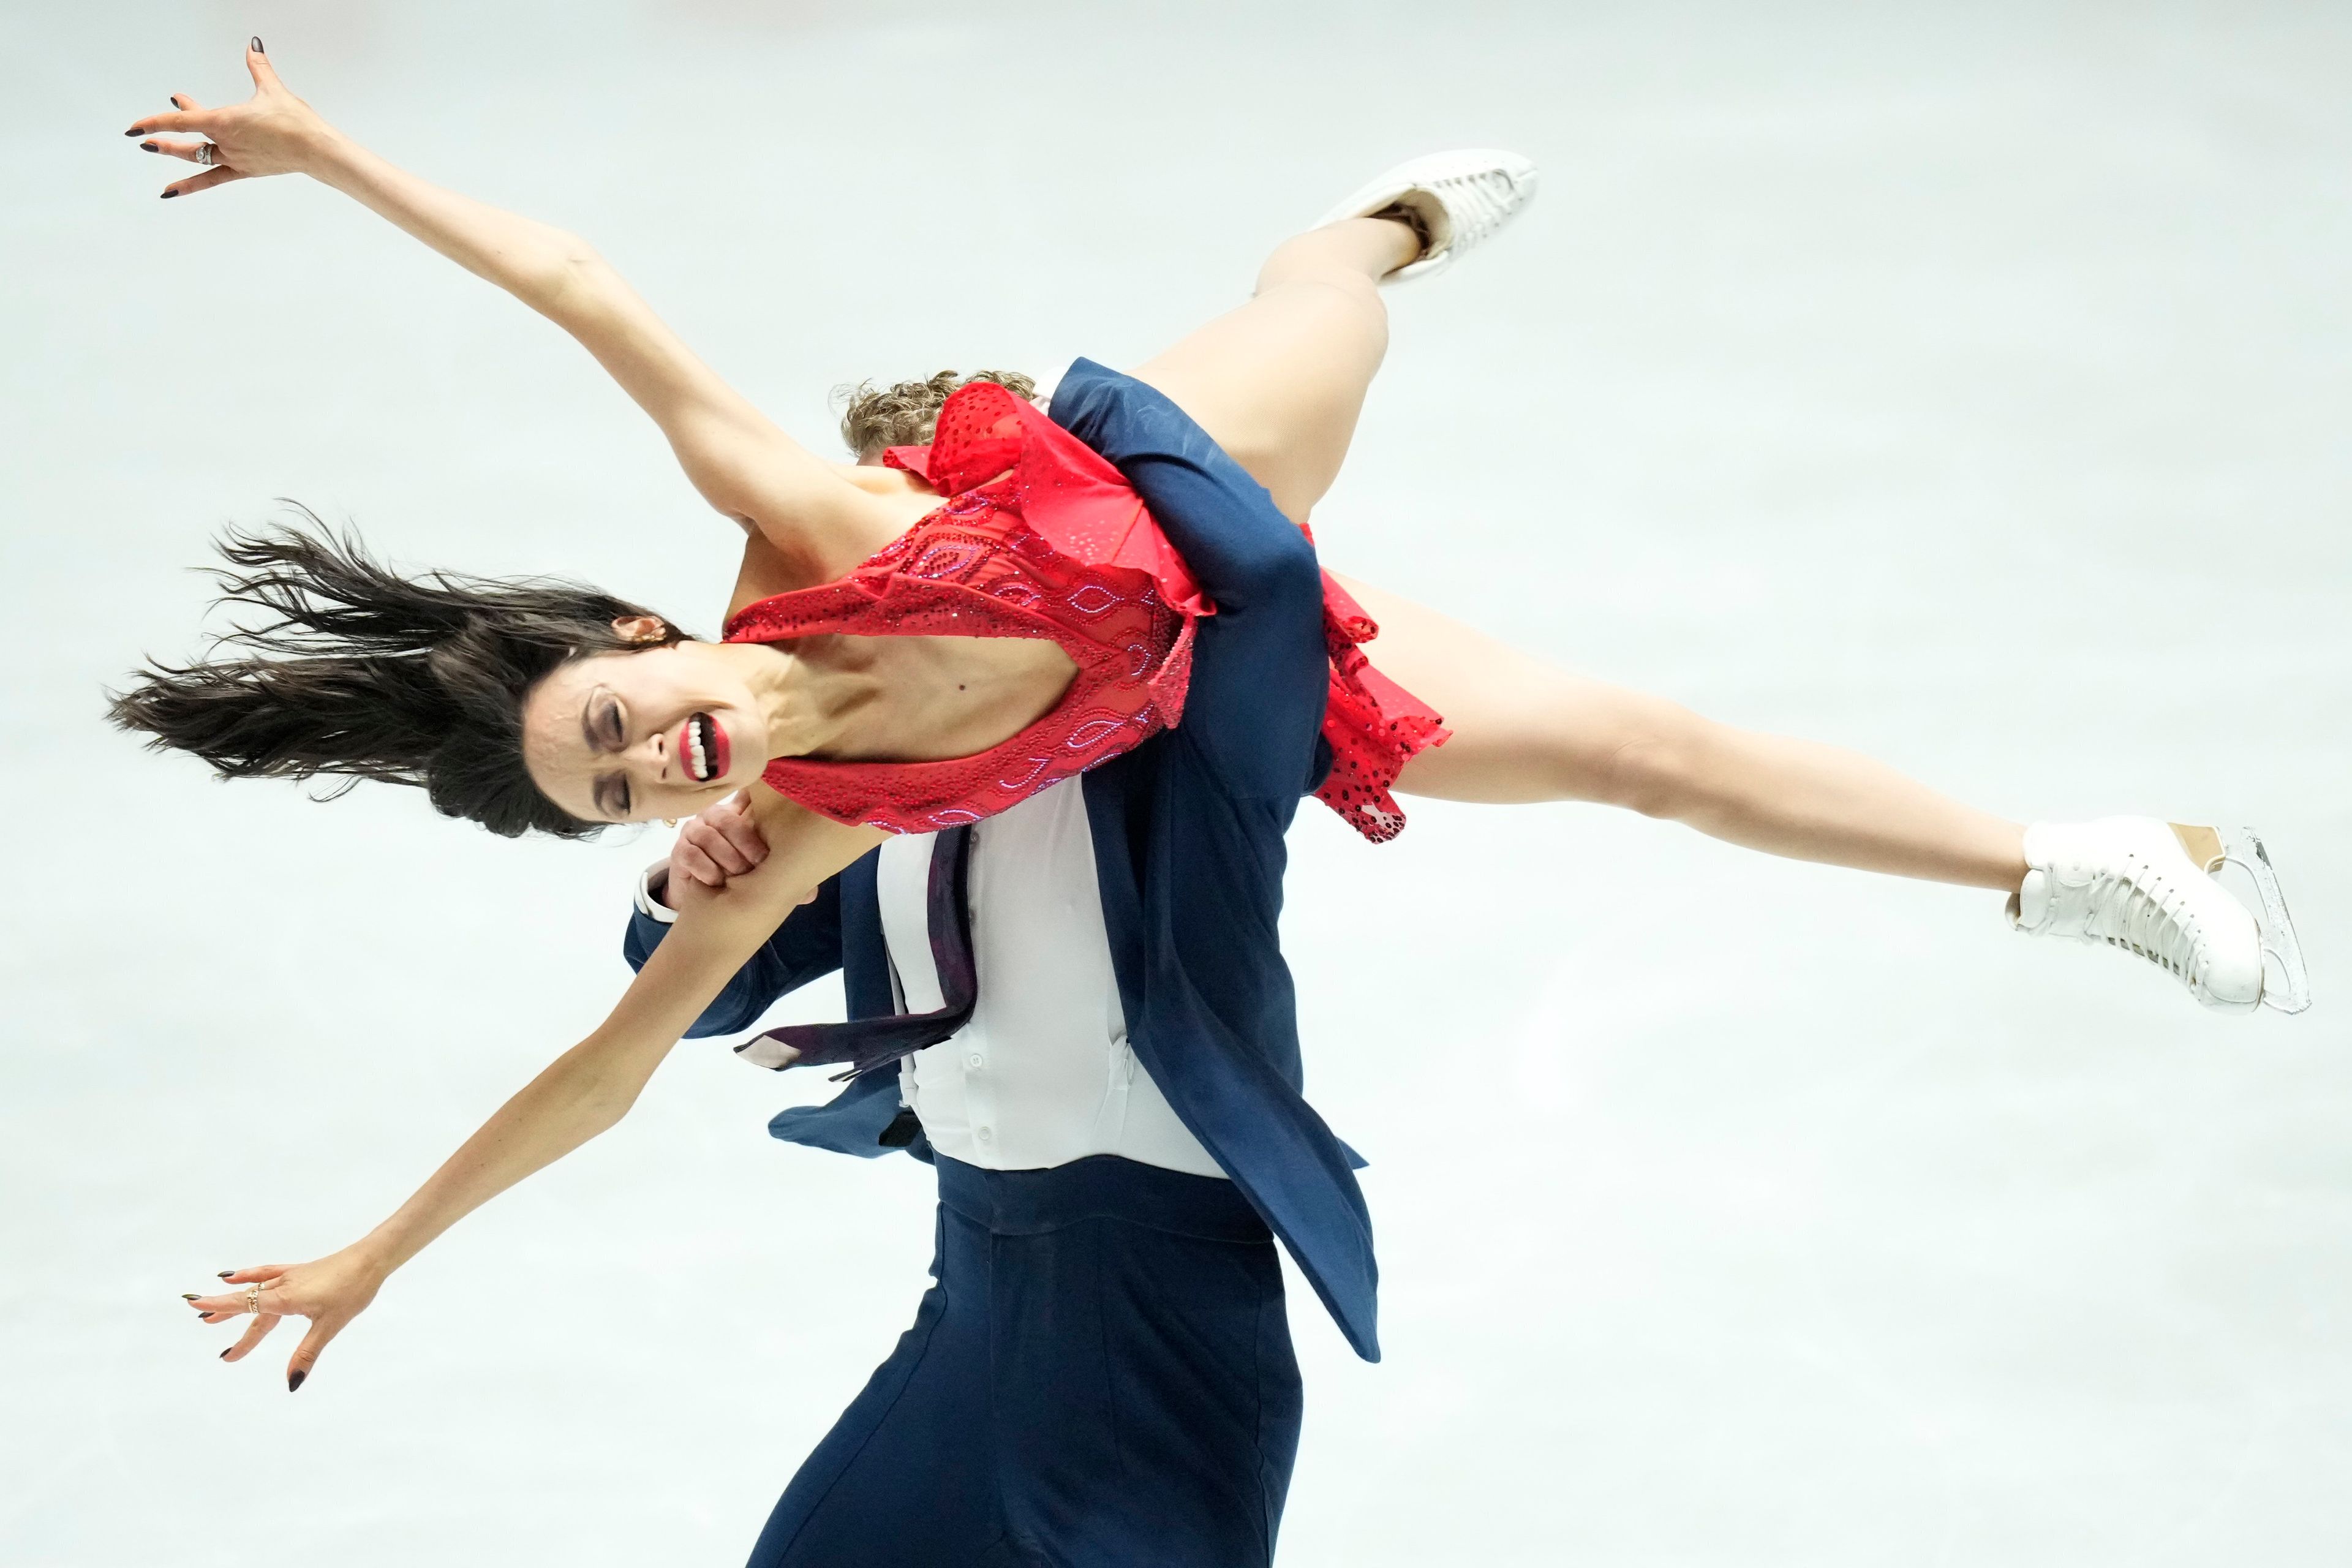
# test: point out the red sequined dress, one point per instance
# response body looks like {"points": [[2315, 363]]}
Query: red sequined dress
{"points": [[1040, 537]]}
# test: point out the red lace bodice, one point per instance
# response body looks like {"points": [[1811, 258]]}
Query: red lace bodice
{"points": [[1040, 537]]}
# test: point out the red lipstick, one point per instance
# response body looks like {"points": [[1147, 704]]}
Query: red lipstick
{"points": [[702, 749]]}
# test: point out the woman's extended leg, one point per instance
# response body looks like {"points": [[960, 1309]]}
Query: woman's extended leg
{"points": [[1280, 382], [1526, 732]]}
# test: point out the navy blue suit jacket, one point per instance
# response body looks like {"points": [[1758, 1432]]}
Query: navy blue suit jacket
{"points": [[1189, 851]]}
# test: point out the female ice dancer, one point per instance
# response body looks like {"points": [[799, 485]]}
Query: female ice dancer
{"points": [[921, 644], [533, 706]]}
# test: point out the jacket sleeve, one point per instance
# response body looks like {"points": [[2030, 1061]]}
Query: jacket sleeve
{"points": [[1260, 669], [807, 947]]}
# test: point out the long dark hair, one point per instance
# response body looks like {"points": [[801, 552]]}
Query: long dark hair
{"points": [[358, 672]]}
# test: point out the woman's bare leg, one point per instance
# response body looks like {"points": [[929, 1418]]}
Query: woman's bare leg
{"points": [[1525, 732], [1279, 381]]}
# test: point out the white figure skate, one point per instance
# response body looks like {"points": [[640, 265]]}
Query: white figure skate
{"points": [[2146, 887], [1459, 199]]}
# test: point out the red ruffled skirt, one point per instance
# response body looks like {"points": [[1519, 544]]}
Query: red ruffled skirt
{"points": [[1373, 725]]}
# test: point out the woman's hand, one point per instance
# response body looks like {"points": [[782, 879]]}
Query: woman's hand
{"points": [[330, 1292], [272, 132], [722, 842], [735, 456]]}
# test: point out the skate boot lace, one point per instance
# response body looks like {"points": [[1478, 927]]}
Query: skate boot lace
{"points": [[2143, 912], [1478, 203]]}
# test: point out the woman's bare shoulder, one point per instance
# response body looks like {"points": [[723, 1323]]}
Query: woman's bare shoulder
{"points": [[901, 499], [875, 480]]}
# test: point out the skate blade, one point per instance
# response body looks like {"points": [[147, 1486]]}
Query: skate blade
{"points": [[2286, 984]]}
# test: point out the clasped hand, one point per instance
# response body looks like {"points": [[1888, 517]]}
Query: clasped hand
{"points": [[721, 844]]}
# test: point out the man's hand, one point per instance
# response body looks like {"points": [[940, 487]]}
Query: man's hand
{"points": [[722, 842]]}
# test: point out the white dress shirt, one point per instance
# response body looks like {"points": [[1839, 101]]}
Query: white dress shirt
{"points": [[1041, 1074]]}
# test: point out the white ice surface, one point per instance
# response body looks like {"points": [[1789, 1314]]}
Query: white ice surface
{"points": [[1970, 387]]}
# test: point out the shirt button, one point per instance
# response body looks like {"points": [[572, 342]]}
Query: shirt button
{"points": [[987, 1134], [975, 1061]]}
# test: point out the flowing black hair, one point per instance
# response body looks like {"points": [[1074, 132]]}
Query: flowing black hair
{"points": [[360, 673]]}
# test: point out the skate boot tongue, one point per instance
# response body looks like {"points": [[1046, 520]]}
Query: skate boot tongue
{"points": [[1456, 200], [2029, 907]]}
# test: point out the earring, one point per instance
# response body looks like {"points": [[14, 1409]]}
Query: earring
{"points": [[669, 821]]}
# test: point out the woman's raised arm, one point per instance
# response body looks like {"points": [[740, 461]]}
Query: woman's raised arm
{"points": [[733, 454], [583, 1092]]}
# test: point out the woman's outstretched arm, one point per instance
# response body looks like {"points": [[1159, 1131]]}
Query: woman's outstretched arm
{"points": [[583, 1092], [733, 454]]}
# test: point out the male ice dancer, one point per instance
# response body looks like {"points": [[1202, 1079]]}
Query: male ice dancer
{"points": [[1078, 1011]]}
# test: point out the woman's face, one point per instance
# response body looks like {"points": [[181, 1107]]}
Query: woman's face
{"points": [[629, 737]]}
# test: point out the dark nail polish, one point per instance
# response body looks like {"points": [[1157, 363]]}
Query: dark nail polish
{"points": [[134, 131], [187, 1295], [294, 1379], [225, 1273], [225, 1354], [169, 194], [256, 45], [148, 147]]}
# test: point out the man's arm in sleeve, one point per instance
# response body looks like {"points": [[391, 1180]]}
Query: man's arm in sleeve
{"points": [[1260, 669], [807, 947]]}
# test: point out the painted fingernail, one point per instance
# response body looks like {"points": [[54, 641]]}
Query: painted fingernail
{"points": [[256, 45], [225, 1354], [187, 1295], [148, 147], [169, 194], [134, 131], [294, 1379], [226, 1272]]}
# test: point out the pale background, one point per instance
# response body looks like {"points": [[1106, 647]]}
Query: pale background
{"points": [[1969, 386]]}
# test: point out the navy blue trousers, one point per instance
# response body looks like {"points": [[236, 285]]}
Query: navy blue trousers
{"points": [[1100, 1373]]}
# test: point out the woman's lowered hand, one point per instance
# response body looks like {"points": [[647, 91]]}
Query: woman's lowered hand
{"points": [[330, 1292]]}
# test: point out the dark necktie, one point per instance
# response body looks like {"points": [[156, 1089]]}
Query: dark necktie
{"points": [[875, 1045]]}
